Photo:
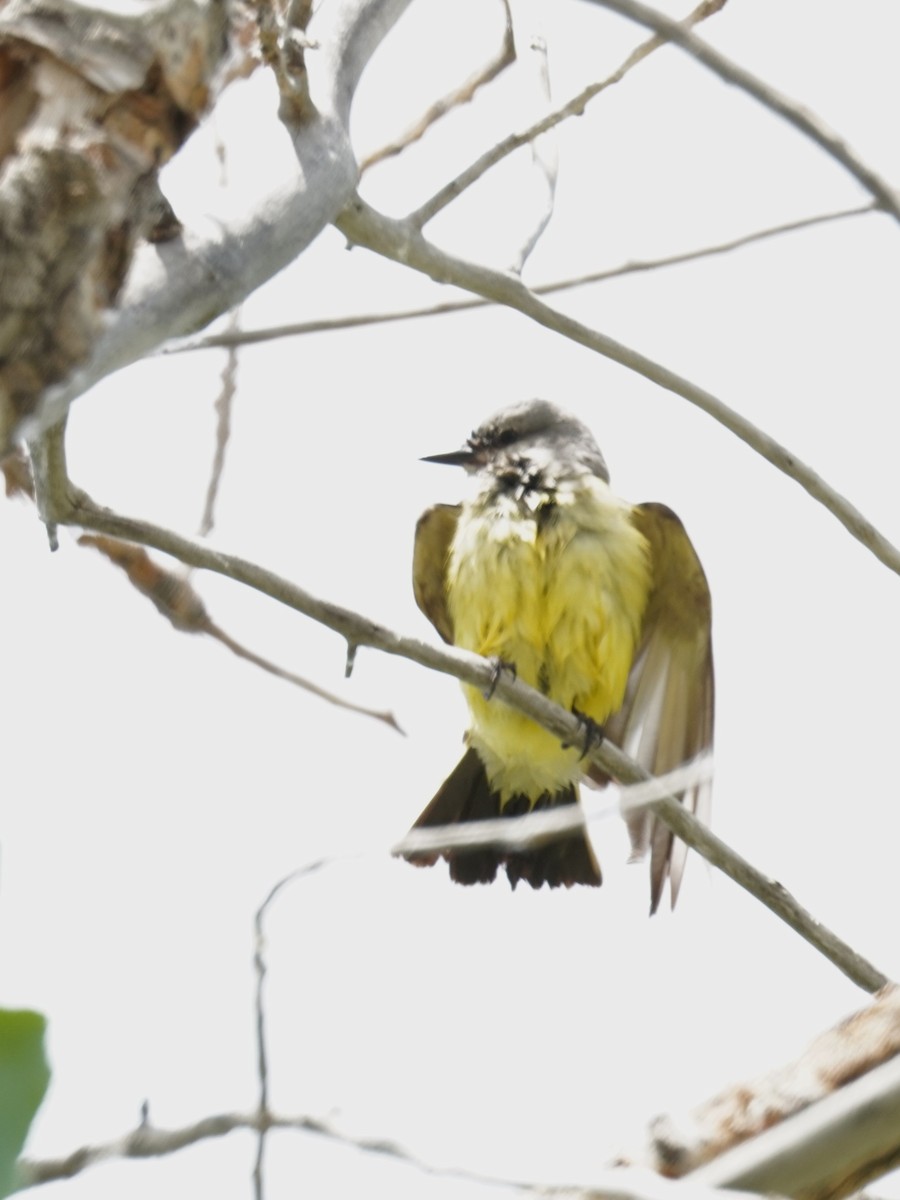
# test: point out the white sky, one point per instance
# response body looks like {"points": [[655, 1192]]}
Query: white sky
{"points": [[156, 788]]}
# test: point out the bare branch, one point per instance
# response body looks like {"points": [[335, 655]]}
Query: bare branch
{"points": [[505, 55], [94, 102], [300, 681], [403, 242], [175, 599], [143, 1142], [171, 595], [831, 1150], [180, 286], [806, 122], [835, 1112], [573, 108], [639, 265], [62, 503], [846, 1085], [262, 1049], [621, 1183], [545, 159], [146, 1141], [535, 828], [225, 399], [264, 1119], [223, 406], [252, 337]]}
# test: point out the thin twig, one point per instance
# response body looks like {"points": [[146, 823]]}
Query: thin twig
{"points": [[795, 114], [174, 598], [223, 407], [537, 827], [831, 1067], [146, 1141], [504, 56], [403, 242], [618, 1183], [228, 379], [379, 714], [333, 324], [573, 108], [75, 508], [264, 1119], [545, 160], [764, 1162], [264, 1115]]}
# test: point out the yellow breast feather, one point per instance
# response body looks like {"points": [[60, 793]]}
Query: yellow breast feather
{"points": [[556, 587]]}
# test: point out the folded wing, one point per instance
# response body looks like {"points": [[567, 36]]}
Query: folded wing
{"points": [[434, 535], [666, 718]]}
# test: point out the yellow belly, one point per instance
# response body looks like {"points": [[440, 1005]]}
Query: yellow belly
{"points": [[559, 596]]}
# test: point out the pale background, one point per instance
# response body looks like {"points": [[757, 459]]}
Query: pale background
{"points": [[155, 788]]}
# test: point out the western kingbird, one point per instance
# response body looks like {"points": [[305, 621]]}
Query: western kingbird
{"points": [[601, 605]]}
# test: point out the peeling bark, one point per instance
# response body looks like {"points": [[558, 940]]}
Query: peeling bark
{"points": [[856, 1046], [92, 103]]}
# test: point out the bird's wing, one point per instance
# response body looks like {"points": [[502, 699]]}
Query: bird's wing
{"points": [[434, 535], [666, 718]]}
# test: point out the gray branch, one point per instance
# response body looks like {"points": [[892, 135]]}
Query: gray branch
{"points": [[180, 286], [402, 241], [252, 337], [820, 1126], [771, 1132], [789, 110], [61, 503]]}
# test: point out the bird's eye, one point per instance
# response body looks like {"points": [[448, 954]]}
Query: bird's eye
{"points": [[506, 437]]}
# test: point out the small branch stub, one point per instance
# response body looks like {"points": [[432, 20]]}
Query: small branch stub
{"points": [[350, 663]]}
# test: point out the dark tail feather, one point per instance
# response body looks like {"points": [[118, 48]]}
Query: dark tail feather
{"points": [[466, 795]]}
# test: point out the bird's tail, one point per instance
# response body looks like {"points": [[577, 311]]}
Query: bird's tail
{"points": [[466, 795]]}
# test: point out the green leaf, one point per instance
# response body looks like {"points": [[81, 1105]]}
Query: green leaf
{"points": [[24, 1075]]}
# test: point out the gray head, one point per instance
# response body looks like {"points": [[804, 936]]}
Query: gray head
{"points": [[527, 438]]}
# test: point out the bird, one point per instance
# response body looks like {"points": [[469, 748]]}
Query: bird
{"points": [[601, 605]]}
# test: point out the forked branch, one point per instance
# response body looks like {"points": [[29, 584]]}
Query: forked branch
{"points": [[404, 242], [777, 102], [62, 503]]}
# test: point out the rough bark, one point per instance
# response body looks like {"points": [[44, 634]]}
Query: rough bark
{"points": [[852, 1051], [91, 105]]}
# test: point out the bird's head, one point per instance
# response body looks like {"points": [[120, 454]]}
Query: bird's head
{"points": [[533, 438]]}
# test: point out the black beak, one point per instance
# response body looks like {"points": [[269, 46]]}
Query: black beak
{"points": [[456, 458]]}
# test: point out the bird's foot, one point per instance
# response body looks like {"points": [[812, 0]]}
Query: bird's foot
{"points": [[498, 666], [593, 734]]}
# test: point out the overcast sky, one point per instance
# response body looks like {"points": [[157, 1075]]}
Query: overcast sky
{"points": [[156, 788]]}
